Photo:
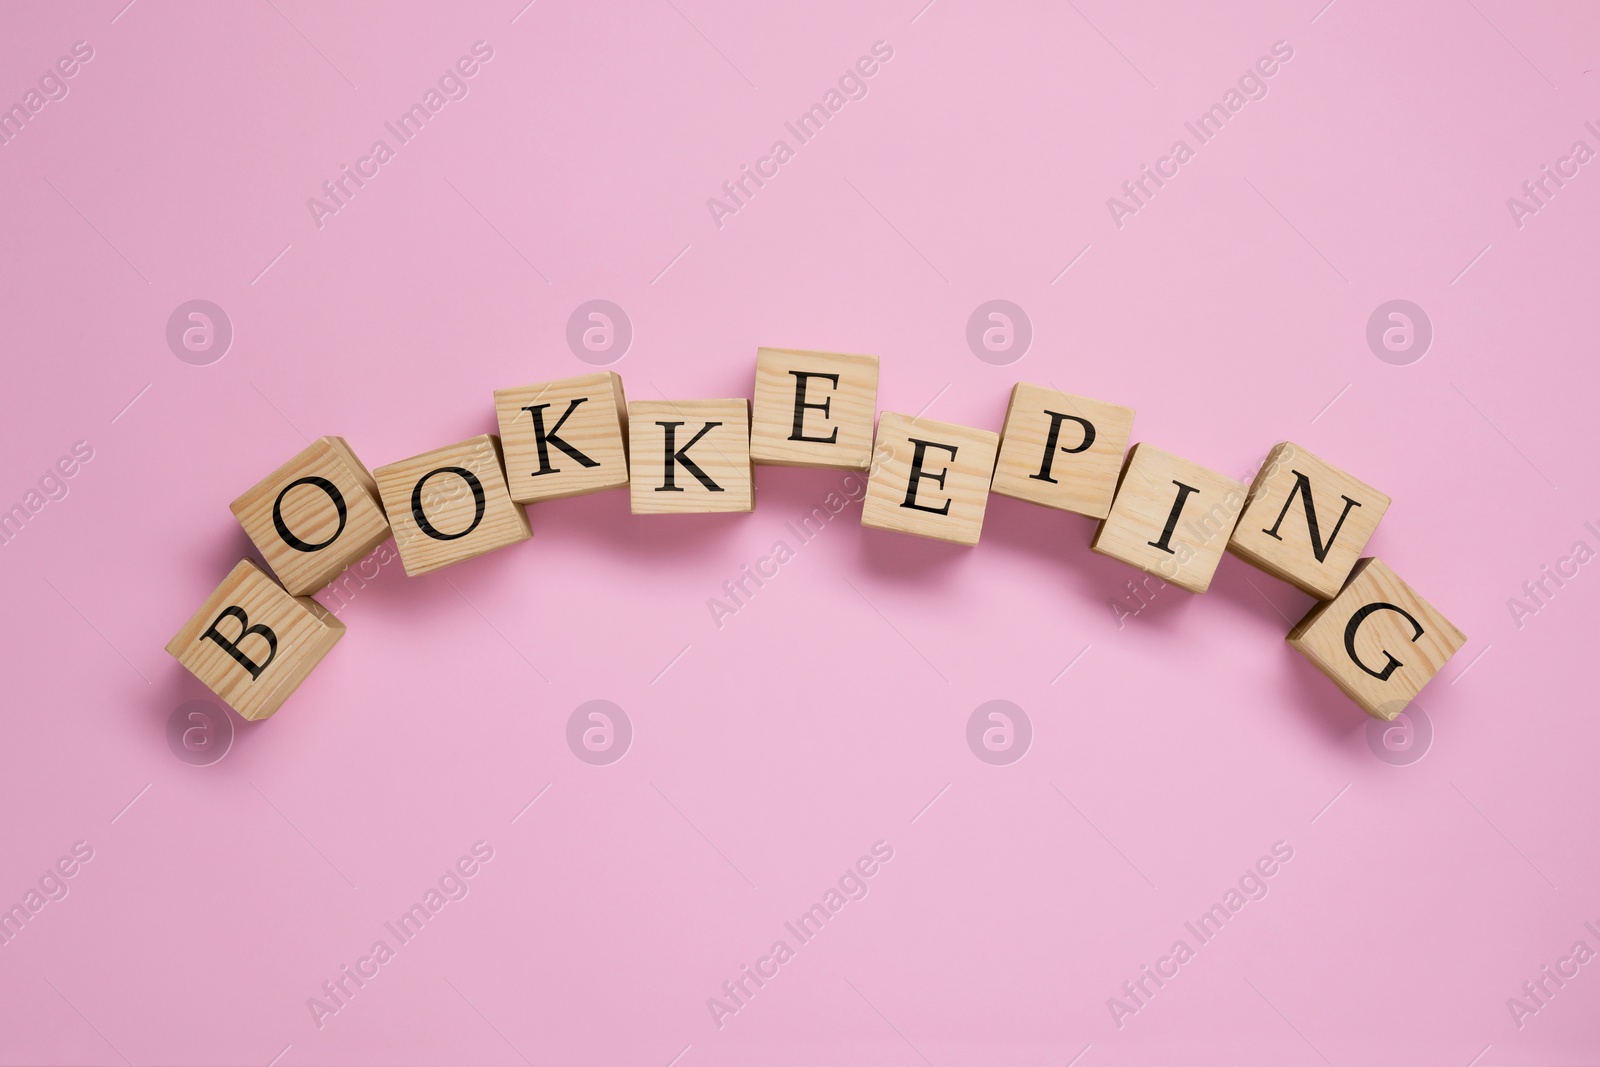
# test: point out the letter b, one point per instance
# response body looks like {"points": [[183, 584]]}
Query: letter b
{"points": [[233, 611]]}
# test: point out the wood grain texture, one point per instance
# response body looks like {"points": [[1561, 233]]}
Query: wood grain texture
{"points": [[303, 630], [1418, 646], [1066, 475], [1142, 510], [956, 465], [1275, 532], [664, 485], [327, 543], [463, 500], [591, 412], [851, 404]]}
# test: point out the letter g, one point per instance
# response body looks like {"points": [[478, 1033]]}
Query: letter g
{"points": [[1354, 625]]}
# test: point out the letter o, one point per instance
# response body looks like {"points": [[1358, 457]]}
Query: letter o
{"points": [[421, 517], [283, 528]]}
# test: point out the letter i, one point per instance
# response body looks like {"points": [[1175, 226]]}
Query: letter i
{"points": [[1172, 517]]}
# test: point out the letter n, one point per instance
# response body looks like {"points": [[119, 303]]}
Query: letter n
{"points": [[1302, 488]]}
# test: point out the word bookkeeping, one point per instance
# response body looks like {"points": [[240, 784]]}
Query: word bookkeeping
{"points": [[1302, 519]]}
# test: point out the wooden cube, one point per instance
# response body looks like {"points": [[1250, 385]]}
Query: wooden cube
{"points": [[450, 505], [690, 456], [813, 409], [1171, 517], [931, 478], [1062, 451], [1378, 640], [252, 643], [1306, 521], [314, 516], [564, 438]]}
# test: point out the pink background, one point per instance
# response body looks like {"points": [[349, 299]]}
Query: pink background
{"points": [[826, 715]]}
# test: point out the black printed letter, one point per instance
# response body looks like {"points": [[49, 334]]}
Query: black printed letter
{"points": [[681, 455], [543, 440], [1355, 624], [1172, 517], [800, 406], [1302, 486], [1054, 436], [283, 528], [917, 474], [232, 647], [421, 517]]}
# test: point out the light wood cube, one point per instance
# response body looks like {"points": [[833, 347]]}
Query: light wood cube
{"points": [[931, 478], [690, 456], [1062, 451], [1378, 640], [564, 438], [252, 643], [314, 516], [814, 409], [450, 505], [1306, 521], [1171, 517]]}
